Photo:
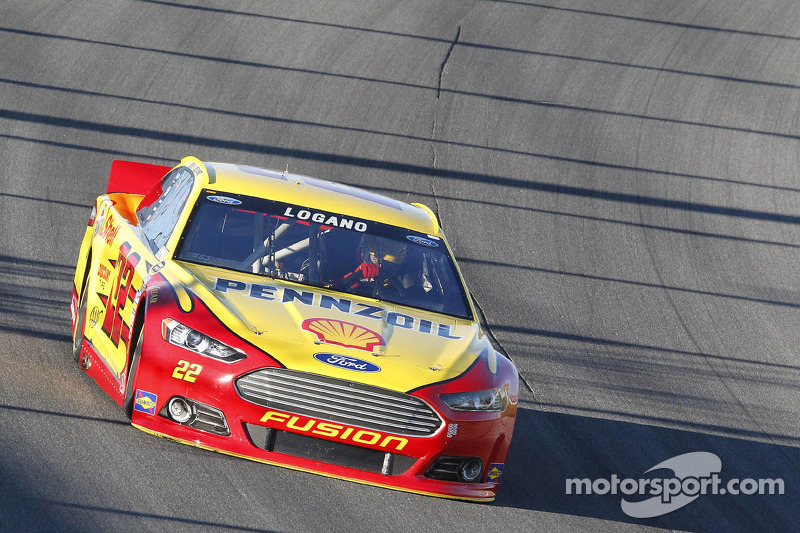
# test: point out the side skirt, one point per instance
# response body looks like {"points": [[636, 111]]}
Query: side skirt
{"points": [[95, 367]]}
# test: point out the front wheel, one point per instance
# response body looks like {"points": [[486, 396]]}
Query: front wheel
{"points": [[127, 404]]}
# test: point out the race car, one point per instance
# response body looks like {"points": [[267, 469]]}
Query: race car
{"points": [[292, 321]]}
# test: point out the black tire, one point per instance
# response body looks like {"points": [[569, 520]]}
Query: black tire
{"points": [[127, 404], [80, 322]]}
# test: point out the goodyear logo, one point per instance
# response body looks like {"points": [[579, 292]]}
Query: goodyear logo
{"points": [[145, 402], [333, 431], [342, 333], [494, 473], [348, 363]]}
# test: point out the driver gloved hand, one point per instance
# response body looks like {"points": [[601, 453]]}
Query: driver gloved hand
{"points": [[368, 270]]}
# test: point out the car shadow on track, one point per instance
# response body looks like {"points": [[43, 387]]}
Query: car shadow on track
{"points": [[33, 298], [550, 448]]}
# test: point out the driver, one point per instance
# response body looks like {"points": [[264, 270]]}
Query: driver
{"points": [[379, 257], [392, 271]]}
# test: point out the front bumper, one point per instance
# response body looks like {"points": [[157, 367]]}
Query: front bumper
{"points": [[314, 441]]}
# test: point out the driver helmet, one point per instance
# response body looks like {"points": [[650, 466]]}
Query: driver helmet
{"points": [[376, 250]]}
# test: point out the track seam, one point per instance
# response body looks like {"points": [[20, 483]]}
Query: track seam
{"points": [[442, 69], [446, 60], [495, 342]]}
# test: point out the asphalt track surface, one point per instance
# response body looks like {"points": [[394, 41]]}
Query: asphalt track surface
{"points": [[619, 180]]}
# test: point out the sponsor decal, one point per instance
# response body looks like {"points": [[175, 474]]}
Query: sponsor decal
{"points": [[348, 363], [345, 334], [109, 230], [95, 315], [344, 305], [194, 167], [423, 241], [226, 200], [494, 473], [301, 424], [326, 219], [145, 402], [104, 272]]}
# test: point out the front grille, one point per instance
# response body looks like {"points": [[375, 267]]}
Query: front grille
{"points": [[337, 400]]}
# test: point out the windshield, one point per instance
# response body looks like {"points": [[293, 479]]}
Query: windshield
{"points": [[323, 249]]}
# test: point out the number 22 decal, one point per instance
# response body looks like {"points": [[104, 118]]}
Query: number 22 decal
{"points": [[121, 293], [187, 371]]}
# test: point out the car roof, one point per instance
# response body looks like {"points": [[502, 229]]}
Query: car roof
{"points": [[317, 193]]}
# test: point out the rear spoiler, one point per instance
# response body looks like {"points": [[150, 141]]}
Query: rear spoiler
{"points": [[134, 178]]}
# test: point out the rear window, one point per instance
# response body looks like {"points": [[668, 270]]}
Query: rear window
{"points": [[160, 209]]}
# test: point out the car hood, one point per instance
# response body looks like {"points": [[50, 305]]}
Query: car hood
{"points": [[317, 330]]}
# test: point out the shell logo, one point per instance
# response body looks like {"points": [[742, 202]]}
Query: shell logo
{"points": [[342, 333]]}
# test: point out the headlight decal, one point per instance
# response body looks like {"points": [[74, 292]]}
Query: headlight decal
{"points": [[190, 339], [481, 401]]}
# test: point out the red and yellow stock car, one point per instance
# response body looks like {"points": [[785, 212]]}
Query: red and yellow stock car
{"points": [[291, 321]]}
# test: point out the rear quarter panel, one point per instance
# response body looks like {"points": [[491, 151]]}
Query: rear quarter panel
{"points": [[120, 262]]}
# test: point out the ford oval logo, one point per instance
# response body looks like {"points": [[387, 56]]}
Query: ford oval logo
{"points": [[348, 363], [423, 241], [224, 200]]}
